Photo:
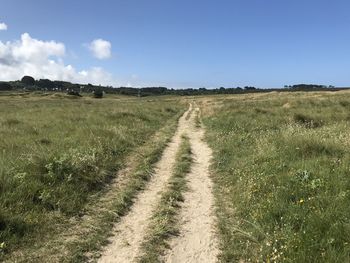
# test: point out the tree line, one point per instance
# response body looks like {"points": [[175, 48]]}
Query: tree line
{"points": [[28, 83]]}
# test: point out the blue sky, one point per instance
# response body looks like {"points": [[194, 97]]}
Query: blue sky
{"points": [[185, 43]]}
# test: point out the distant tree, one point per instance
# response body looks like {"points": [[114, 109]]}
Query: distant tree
{"points": [[153, 91], [5, 86], [28, 80], [249, 88], [308, 87], [45, 84]]}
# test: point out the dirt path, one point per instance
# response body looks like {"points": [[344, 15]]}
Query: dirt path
{"points": [[130, 231], [197, 241]]}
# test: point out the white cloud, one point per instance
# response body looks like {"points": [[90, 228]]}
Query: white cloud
{"points": [[100, 48], [3, 26], [44, 59]]}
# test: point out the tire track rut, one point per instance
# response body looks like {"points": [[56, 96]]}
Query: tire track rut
{"points": [[130, 231], [197, 241]]}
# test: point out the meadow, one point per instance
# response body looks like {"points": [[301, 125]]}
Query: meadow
{"points": [[281, 172], [59, 151], [280, 168]]}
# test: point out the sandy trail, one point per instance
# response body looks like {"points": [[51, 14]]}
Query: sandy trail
{"points": [[197, 241], [130, 231]]}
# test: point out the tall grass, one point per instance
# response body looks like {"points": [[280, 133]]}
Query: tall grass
{"points": [[281, 165], [55, 152]]}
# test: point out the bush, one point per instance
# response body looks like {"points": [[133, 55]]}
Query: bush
{"points": [[308, 122], [5, 86], [98, 94], [74, 93]]}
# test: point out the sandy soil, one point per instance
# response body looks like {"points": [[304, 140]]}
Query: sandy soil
{"points": [[197, 241]]}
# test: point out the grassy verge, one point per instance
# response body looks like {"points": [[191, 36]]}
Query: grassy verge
{"points": [[281, 165], [123, 200], [164, 221], [197, 120], [188, 116], [58, 153]]}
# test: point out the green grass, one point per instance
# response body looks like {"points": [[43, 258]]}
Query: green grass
{"points": [[110, 212], [282, 176], [57, 152], [164, 220]]}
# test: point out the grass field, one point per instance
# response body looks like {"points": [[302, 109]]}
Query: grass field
{"points": [[282, 175], [58, 151]]}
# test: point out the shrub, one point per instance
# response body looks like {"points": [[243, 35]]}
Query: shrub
{"points": [[344, 103], [11, 122], [98, 94], [5, 86], [307, 121], [74, 93]]}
